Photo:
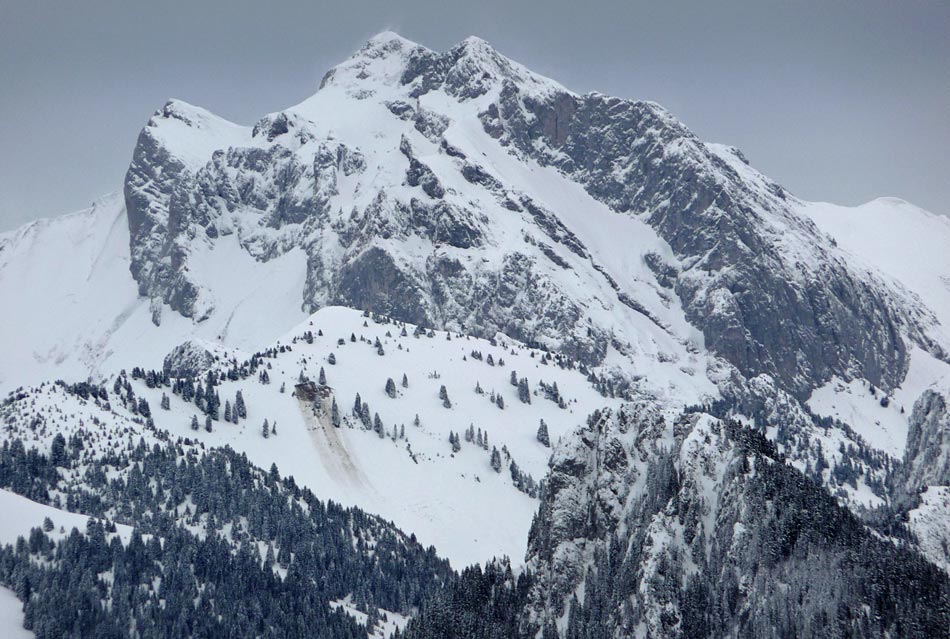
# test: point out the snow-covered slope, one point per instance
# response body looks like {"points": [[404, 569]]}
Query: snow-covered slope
{"points": [[901, 240], [407, 473], [72, 309], [908, 246], [11, 616], [450, 499]]}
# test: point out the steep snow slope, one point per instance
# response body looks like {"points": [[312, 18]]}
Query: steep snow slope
{"points": [[11, 616], [21, 515], [908, 245], [72, 309], [901, 240]]}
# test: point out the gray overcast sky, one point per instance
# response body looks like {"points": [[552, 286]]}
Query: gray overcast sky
{"points": [[838, 100]]}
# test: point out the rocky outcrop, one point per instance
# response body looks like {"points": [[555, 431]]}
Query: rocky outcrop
{"points": [[770, 293], [699, 529], [189, 359], [927, 456]]}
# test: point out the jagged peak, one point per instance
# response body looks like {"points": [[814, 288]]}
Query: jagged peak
{"points": [[383, 58], [189, 114], [389, 38], [475, 56], [470, 67], [192, 133]]}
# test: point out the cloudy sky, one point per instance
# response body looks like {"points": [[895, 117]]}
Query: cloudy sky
{"points": [[838, 100]]}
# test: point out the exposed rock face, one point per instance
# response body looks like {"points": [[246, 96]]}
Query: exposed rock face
{"points": [[395, 216], [699, 529], [927, 456], [769, 292]]}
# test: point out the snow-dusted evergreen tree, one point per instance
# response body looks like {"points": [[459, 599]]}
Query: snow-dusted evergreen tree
{"points": [[357, 406], [322, 378], [194, 422], [208, 423], [495, 460], [166, 403], [543, 434], [58, 456], [415, 421], [405, 380], [331, 359], [239, 406], [335, 414], [265, 430], [444, 396], [391, 388], [366, 416], [227, 410], [500, 401], [513, 380], [378, 426], [524, 392]]}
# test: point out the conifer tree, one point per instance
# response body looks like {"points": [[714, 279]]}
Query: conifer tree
{"points": [[524, 392], [444, 396], [543, 435], [208, 423], [495, 460], [335, 414], [239, 406], [194, 422], [266, 429], [366, 417], [322, 379], [405, 380], [391, 388]]}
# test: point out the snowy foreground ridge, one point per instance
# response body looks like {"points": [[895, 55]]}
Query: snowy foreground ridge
{"points": [[295, 377]]}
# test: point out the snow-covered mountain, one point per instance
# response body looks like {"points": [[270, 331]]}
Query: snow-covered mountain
{"points": [[459, 222]]}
